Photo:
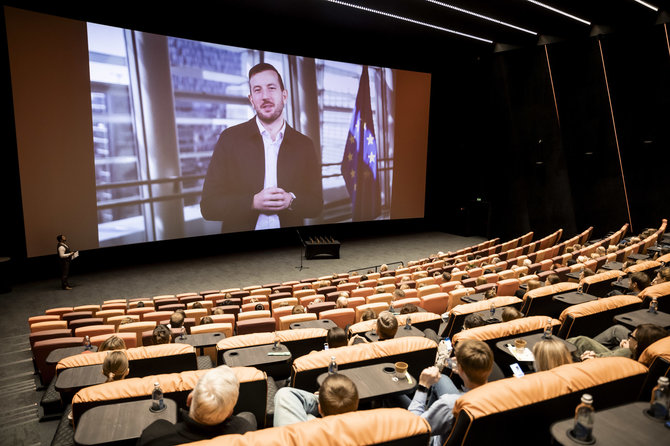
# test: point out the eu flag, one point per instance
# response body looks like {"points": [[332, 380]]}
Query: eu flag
{"points": [[359, 164]]}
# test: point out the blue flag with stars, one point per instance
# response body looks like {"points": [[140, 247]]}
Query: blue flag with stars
{"points": [[359, 164]]}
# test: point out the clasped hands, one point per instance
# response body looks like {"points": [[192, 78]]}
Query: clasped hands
{"points": [[272, 200]]}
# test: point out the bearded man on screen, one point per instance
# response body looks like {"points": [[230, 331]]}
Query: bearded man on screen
{"points": [[263, 174]]}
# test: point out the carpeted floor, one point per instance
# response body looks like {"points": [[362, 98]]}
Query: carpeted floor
{"points": [[19, 416]]}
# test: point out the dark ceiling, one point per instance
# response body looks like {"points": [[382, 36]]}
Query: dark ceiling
{"points": [[331, 29]]}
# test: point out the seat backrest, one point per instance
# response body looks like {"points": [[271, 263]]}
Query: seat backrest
{"points": [[435, 303], [104, 314], [460, 312], [49, 334], [418, 352], [94, 330], [59, 311], [41, 350], [286, 321], [225, 328], [253, 315], [302, 293], [381, 297], [376, 307], [428, 289], [48, 325], [78, 323], [196, 314], [657, 358], [256, 325], [340, 316], [318, 307], [157, 316], [43, 318], [362, 292], [261, 292], [507, 287], [299, 342], [591, 318], [137, 328], [540, 399], [370, 427], [176, 386], [251, 306], [600, 284], [539, 300], [128, 338], [281, 302], [142, 361]]}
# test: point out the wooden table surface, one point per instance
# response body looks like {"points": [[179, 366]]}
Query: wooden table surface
{"points": [[574, 298], [61, 353], [114, 423], [374, 381], [531, 340], [255, 356], [402, 332], [618, 426], [75, 378]]}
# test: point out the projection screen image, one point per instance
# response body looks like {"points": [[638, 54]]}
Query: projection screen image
{"points": [[161, 138]]}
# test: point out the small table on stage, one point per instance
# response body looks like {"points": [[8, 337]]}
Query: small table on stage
{"points": [[611, 266], [328, 247], [573, 298], [61, 353], [621, 425], [258, 357], [200, 340], [643, 316], [402, 332], [319, 323], [375, 381], [71, 380], [120, 423]]}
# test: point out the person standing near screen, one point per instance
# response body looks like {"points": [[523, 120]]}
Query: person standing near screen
{"points": [[263, 174], [65, 256]]}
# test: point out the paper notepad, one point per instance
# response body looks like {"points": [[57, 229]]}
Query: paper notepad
{"points": [[525, 355]]}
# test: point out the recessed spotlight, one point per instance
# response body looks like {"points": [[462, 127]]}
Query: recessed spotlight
{"points": [[407, 19], [539, 163], [481, 16], [588, 153], [551, 8]]}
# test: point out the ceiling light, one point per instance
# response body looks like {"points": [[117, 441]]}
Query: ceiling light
{"points": [[648, 5], [407, 19], [481, 16], [551, 8]]}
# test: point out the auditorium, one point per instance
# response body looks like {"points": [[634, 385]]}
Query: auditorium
{"points": [[399, 222]]}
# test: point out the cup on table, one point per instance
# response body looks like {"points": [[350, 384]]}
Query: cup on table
{"points": [[400, 370], [520, 345]]}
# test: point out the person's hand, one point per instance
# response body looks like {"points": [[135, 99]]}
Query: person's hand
{"points": [[429, 376], [624, 343], [588, 354], [272, 199]]}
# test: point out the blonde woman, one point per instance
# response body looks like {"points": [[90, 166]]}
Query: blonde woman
{"points": [[550, 353]]}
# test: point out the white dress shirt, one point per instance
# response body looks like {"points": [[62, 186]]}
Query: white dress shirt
{"points": [[270, 221]]}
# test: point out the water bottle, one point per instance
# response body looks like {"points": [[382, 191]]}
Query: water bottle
{"points": [[408, 323], [583, 428], [87, 343], [653, 305], [157, 398], [547, 329], [580, 287], [325, 346], [332, 367], [391, 310], [660, 399], [492, 309]]}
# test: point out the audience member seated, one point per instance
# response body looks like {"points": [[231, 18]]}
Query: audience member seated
{"points": [[552, 279], [387, 326], [112, 343], [337, 394], [618, 341], [662, 275], [436, 394], [550, 353], [510, 313], [177, 319], [398, 294], [638, 282], [336, 337], [472, 321], [409, 308], [161, 335], [210, 413], [206, 320], [342, 301], [115, 366], [298, 309], [490, 293], [530, 285], [368, 315]]}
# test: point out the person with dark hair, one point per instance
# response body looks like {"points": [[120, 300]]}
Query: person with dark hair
{"points": [[298, 309], [662, 275], [473, 320], [161, 335], [115, 366], [197, 304], [368, 314], [337, 394], [618, 341], [263, 174], [510, 313], [387, 325], [409, 308], [65, 256], [336, 337], [436, 394], [552, 279], [206, 320]]}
